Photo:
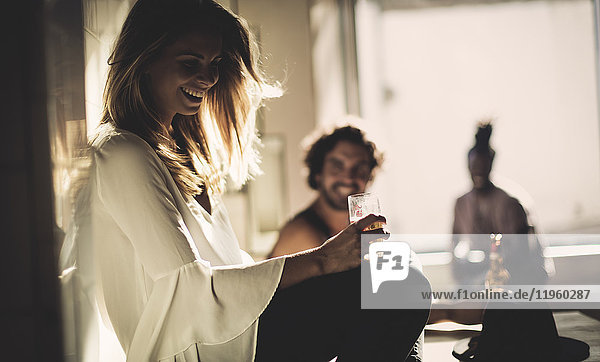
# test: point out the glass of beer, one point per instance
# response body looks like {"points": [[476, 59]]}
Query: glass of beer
{"points": [[361, 205]]}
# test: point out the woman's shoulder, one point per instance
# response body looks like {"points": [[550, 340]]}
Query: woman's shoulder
{"points": [[108, 136], [119, 142], [124, 149]]}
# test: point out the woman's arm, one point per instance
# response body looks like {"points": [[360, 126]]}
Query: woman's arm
{"points": [[138, 229], [338, 254]]}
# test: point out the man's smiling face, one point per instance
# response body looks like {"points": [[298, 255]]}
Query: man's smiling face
{"points": [[346, 171]]}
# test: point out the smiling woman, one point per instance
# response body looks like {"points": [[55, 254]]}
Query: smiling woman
{"points": [[183, 73], [167, 59], [152, 241]]}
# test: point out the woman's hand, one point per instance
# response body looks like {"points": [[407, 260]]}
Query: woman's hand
{"points": [[343, 251], [338, 254]]}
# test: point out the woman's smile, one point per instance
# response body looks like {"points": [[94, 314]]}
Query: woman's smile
{"points": [[193, 95]]}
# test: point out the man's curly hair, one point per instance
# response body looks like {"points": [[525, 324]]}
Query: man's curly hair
{"points": [[315, 157]]}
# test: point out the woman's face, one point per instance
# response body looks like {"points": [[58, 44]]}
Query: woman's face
{"points": [[183, 73]]}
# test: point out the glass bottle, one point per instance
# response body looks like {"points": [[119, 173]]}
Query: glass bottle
{"points": [[497, 275]]}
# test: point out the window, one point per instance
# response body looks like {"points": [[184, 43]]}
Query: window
{"points": [[428, 73]]}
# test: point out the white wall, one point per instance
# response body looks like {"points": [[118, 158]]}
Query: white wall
{"points": [[531, 65], [283, 29]]}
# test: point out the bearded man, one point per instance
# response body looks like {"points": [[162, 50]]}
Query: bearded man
{"points": [[340, 164]]}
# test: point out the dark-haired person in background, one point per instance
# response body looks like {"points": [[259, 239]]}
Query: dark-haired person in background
{"points": [[511, 334], [340, 164], [487, 209]]}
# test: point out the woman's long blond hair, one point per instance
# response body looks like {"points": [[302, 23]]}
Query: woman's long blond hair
{"points": [[220, 140]]}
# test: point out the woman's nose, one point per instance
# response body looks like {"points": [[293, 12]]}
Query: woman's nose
{"points": [[208, 75]]}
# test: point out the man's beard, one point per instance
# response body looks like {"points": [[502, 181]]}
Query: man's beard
{"points": [[333, 199]]}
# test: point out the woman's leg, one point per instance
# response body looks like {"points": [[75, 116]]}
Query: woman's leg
{"points": [[322, 318]]}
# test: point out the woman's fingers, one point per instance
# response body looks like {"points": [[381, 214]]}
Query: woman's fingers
{"points": [[369, 220], [378, 231]]}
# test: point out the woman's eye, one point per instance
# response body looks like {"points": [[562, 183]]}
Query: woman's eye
{"points": [[189, 63]]}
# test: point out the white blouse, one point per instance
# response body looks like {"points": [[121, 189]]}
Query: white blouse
{"points": [[169, 277]]}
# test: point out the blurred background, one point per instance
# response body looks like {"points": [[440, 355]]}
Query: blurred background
{"points": [[415, 75]]}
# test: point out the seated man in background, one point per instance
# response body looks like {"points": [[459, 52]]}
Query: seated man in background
{"points": [[340, 164]]}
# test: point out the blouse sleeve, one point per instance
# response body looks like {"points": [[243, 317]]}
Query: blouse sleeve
{"points": [[191, 302]]}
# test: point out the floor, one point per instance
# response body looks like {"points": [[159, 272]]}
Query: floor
{"points": [[574, 324], [438, 344]]}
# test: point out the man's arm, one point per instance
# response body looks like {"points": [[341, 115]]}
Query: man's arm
{"points": [[297, 235]]}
